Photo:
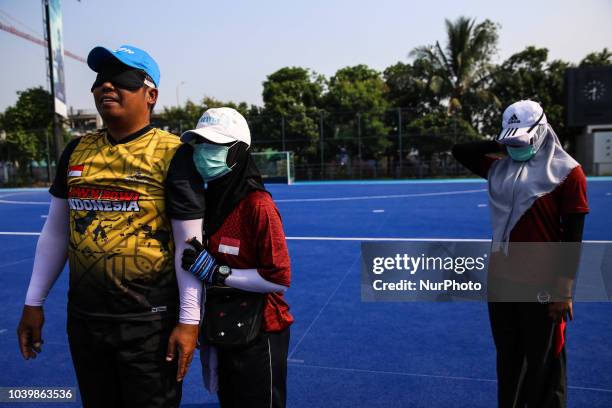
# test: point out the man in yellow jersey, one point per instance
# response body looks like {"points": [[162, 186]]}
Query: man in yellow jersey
{"points": [[124, 201]]}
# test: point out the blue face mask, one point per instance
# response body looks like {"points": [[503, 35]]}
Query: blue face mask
{"points": [[521, 154], [211, 160]]}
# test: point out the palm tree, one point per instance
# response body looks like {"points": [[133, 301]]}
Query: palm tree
{"points": [[461, 69]]}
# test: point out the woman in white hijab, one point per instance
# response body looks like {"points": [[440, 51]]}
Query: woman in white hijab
{"points": [[537, 193]]}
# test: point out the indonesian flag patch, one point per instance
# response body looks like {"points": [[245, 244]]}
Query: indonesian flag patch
{"points": [[76, 171], [229, 246]]}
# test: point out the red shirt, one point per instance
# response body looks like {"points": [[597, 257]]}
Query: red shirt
{"points": [[542, 222], [251, 237]]}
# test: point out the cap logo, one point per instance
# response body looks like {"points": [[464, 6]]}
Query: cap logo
{"points": [[513, 119], [207, 120], [123, 49]]}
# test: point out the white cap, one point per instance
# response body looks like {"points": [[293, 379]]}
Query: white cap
{"points": [[519, 123], [220, 125]]}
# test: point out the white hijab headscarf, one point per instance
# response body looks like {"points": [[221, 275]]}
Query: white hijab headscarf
{"points": [[514, 186]]}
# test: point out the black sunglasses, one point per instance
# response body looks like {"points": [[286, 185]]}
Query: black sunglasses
{"points": [[131, 80]]}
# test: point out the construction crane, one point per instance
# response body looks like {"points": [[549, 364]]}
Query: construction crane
{"points": [[35, 40]]}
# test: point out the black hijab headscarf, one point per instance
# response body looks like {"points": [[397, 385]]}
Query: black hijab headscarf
{"points": [[224, 193]]}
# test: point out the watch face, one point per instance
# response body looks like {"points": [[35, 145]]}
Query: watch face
{"points": [[543, 296], [224, 270], [594, 90]]}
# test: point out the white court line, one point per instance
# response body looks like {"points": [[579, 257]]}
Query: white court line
{"points": [[25, 202], [16, 194], [316, 318], [21, 202], [445, 377], [305, 200], [394, 239], [15, 262], [379, 197], [329, 299], [361, 370], [400, 239], [358, 239], [3, 330]]}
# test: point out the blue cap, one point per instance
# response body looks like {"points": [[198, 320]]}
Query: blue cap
{"points": [[126, 54]]}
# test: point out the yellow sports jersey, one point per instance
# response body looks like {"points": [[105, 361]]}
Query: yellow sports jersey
{"points": [[121, 252]]}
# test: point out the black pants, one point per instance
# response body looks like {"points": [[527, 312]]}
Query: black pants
{"points": [[255, 376], [529, 374], [122, 364]]}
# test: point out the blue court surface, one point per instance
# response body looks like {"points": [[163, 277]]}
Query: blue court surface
{"points": [[343, 353]]}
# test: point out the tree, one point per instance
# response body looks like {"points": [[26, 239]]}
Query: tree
{"points": [[292, 100], [437, 132], [522, 76], [528, 75], [358, 94], [242, 107], [27, 125], [461, 69], [180, 118], [410, 87], [597, 59]]}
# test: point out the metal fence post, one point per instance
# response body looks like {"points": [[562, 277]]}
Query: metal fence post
{"points": [[359, 143], [322, 145], [399, 136], [283, 131], [48, 156]]}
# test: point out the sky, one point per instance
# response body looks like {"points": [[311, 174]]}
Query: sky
{"points": [[226, 49]]}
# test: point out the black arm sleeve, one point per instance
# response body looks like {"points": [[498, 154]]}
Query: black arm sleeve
{"points": [[184, 187], [472, 154], [59, 188], [573, 226]]}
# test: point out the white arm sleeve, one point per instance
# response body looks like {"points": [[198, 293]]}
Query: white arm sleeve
{"points": [[51, 252], [250, 280], [190, 287]]}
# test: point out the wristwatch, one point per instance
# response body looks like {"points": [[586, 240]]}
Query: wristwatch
{"points": [[543, 297], [221, 274]]}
